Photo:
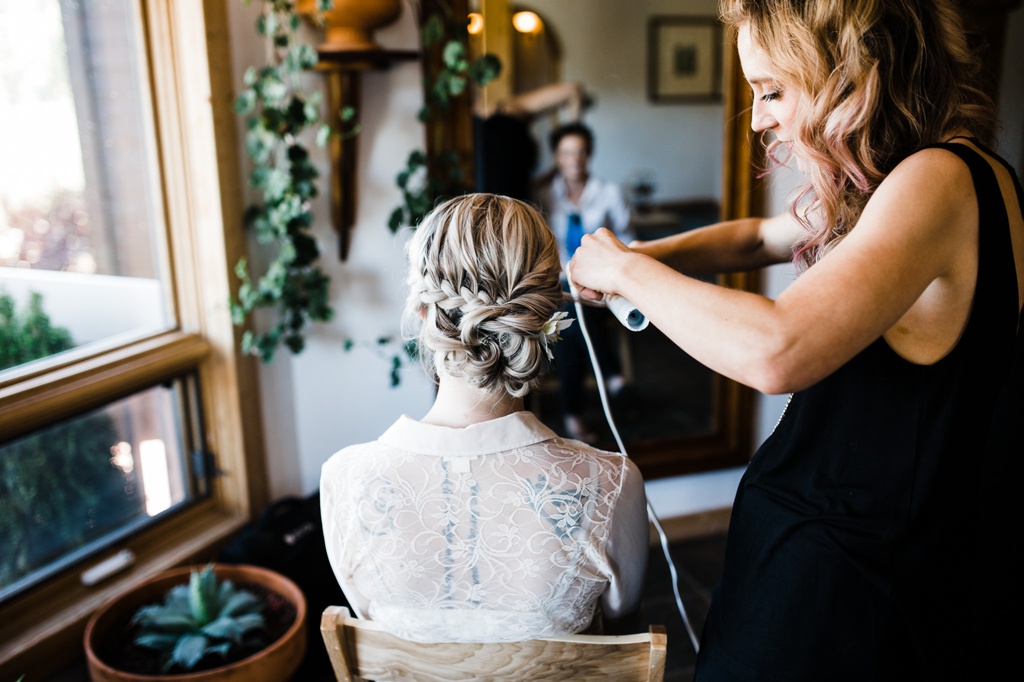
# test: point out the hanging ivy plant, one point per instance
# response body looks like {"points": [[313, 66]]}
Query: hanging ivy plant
{"points": [[429, 176], [278, 112]]}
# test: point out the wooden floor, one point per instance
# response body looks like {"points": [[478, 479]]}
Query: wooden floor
{"points": [[698, 564]]}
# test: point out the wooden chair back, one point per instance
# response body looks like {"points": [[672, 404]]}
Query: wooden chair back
{"points": [[363, 650]]}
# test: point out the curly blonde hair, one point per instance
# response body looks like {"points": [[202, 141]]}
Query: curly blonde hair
{"points": [[483, 281], [880, 79]]}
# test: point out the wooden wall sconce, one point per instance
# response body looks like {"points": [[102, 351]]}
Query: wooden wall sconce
{"points": [[347, 52], [342, 72]]}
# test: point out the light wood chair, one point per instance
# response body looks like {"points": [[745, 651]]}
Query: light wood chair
{"points": [[363, 650]]}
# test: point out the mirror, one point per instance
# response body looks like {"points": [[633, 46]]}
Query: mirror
{"points": [[693, 152]]}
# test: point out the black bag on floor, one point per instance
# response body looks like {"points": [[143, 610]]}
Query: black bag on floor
{"points": [[288, 537]]}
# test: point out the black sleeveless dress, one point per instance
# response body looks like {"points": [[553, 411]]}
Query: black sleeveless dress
{"points": [[854, 550]]}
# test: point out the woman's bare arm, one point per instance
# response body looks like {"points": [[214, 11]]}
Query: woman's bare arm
{"points": [[731, 246], [917, 233]]}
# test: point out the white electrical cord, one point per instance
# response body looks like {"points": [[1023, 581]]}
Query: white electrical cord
{"points": [[599, 377]]}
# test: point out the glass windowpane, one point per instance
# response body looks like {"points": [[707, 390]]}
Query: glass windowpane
{"points": [[73, 488], [82, 235]]}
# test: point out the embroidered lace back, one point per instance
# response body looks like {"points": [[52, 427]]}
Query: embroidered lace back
{"points": [[497, 547]]}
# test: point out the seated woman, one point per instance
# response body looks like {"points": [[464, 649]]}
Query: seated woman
{"points": [[477, 522]]}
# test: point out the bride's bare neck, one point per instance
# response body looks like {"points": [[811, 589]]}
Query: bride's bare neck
{"points": [[458, 404]]}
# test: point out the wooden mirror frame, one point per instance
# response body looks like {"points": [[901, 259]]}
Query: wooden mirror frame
{"points": [[729, 441]]}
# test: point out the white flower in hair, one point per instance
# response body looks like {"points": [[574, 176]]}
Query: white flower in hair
{"points": [[549, 332]]}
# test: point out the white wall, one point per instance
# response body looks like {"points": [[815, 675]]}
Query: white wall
{"points": [[326, 398], [604, 46]]}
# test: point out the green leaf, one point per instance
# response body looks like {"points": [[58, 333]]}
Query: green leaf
{"points": [[323, 134], [300, 58], [157, 641], [223, 628], [311, 111], [297, 153], [202, 593], [271, 89], [259, 143], [161, 619], [248, 343], [266, 24], [177, 598], [189, 650], [395, 219], [237, 313], [456, 85], [433, 30], [249, 622], [245, 102], [485, 69], [453, 54], [240, 602], [221, 649]]}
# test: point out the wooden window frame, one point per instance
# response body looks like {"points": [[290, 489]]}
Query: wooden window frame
{"points": [[189, 68]]}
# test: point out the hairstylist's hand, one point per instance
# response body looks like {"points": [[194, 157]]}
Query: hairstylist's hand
{"points": [[595, 266]]}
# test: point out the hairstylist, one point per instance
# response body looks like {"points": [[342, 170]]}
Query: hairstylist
{"points": [[865, 509]]}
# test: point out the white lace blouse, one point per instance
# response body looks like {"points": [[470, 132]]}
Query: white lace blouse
{"points": [[500, 531]]}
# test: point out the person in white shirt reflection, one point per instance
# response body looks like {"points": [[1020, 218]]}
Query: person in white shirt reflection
{"points": [[477, 522], [576, 202]]}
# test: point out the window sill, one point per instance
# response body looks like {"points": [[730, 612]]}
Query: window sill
{"points": [[41, 632]]}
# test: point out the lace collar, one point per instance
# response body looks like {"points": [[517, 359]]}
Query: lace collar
{"points": [[496, 435]]}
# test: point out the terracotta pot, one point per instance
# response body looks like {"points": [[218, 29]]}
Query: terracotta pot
{"points": [[350, 25], [274, 663]]}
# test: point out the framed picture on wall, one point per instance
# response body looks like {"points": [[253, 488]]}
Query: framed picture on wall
{"points": [[684, 59]]}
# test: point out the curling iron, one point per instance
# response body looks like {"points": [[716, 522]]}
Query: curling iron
{"points": [[625, 312]]}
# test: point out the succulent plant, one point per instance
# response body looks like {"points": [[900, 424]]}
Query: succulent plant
{"points": [[205, 617]]}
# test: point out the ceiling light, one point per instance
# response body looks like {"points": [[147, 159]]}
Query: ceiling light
{"points": [[526, 22]]}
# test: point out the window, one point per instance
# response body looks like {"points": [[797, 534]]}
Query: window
{"points": [[76, 487], [121, 388], [81, 218]]}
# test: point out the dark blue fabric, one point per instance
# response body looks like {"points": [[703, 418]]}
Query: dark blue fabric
{"points": [[506, 155]]}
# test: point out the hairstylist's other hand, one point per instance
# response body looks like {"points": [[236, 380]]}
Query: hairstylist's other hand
{"points": [[596, 264]]}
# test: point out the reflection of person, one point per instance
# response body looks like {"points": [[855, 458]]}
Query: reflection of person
{"points": [[506, 151], [874, 496], [477, 522], [575, 203]]}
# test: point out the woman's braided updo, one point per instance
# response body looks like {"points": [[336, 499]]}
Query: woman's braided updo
{"points": [[483, 281]]}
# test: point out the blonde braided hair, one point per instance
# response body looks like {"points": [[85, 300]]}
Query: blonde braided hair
{"points": [[483, 281]]}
